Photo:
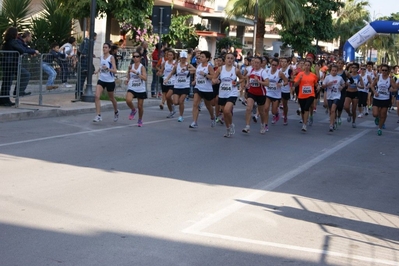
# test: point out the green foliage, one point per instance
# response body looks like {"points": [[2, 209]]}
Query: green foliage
{"points": [[52, 25], [181, 32], [288, 13], [317, 25], [132, 11], [227, 42], [15, 13]]}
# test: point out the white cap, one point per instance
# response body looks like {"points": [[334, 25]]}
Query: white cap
{"points": [[183, 54]]}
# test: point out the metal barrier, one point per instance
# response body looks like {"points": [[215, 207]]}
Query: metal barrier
{"points": [[10, 71]]}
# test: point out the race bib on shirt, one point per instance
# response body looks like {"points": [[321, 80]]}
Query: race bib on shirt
{"points": [[382, 89], [169, 83], [306, 89], [254, 82], [201, 80], [181, 79], [136, 82], [272, 86], [226, 86]]}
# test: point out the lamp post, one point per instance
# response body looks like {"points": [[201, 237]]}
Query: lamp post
{"points": [[88, 95], [255, 28]]}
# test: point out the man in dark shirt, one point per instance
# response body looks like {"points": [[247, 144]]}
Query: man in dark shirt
{"points": [[84, 62]]}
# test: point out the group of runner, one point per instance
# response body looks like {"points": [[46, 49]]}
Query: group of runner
{"points": [[262, 85]]}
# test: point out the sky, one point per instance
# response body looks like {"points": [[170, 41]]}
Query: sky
{"points": [[379, 8]]}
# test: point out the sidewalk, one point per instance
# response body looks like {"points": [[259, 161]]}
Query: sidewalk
{"points": [[57, 105]]}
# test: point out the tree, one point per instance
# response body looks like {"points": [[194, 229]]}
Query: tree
{"points": [[317, 25], [181, 32], [287, 12], [130, 11], [351, 19], [15, 13]]}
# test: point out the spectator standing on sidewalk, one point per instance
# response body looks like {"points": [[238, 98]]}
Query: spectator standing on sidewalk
{"points": [[47, 65], [9, 64], [155, 79], [23, 41], [83, 54], [67, 50]]}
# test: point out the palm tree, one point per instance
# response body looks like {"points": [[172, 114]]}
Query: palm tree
{"points": [[351, 18], [15, 13], [286, 12]]}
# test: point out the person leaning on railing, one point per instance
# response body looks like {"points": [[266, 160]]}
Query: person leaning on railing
{"points": [[9, 63]]}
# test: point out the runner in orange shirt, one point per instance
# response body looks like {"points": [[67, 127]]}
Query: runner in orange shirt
{"points": [[307, 82]]}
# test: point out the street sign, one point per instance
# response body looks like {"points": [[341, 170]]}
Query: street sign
{"points": [[161, 19]]}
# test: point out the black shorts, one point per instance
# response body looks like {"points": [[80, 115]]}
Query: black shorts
{"points": [[259, 99], [138, 95], [285, 95], [208, 96], [305, 104], [110, 86], [362, 98], [223, 101], [215, 88], [352, 94], [331, 102], [166, 88], [273, 99], [382, 103], [180, 92]]}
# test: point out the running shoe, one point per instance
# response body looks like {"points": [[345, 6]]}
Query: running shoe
{"points": [[98, 118], [349, 118], [354, 125], [262, 129], [331, 129], [310, 122], [180, 119], [139, 123], [379, 132], [383, 126], [314, 110], [213, 122], [277, 117], [132, 114], [267, 128], [171, 114], [360, 115], [232, 129], [228, 133], [246, 129], [298, 112], [301, 121], [376, 121], [274, 119], [219, 121], [366, 113], [254, 109], [161, 106], [199, 107], [339, 121], [116, 116], [193, 125], [303, 128], [255, 118], [285, 121], [335, 126]]}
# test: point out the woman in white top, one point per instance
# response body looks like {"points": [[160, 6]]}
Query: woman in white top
{"points": [[382, 87], [106, 80], [228, 90], [203, 87], [167, 85], [181, 75], [136, 77]]}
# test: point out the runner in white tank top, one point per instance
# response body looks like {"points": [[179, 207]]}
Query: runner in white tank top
{"points": [[136, 77], [228, 91], [167, 86], [106, 80], [285, 90]]}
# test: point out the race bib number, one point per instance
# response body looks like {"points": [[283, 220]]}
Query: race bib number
{"points": [[272, 86], [306, 89], [136, 82], [169, 83], [181, 79], [226, 86], [383, 90], [254, 82], [201, 80]]}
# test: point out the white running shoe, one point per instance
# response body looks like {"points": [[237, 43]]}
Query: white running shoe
{"points": [[116, 116], [98, 118]]}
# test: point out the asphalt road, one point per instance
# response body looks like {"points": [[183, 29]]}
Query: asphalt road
{"points": [[77, 193]]}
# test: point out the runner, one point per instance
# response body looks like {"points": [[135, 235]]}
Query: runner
{"points": [[228, 92], [363, 93], [276, 80], [382, 86], [106, 81], [256, 93], [181, 73], [370, 72], [167, 86], [203, 88], [307, 82], [136, 77], [351, 99], [344, 76], [286, 89], [333, 84]]}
